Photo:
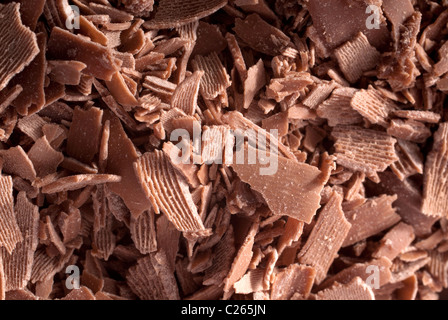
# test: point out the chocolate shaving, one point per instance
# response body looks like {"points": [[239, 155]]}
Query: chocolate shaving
{"points": [[435, 187], [84, 134], [78, 182], [174, 13], [356, 57], [162, 184], [150, 280], [11, 234], [261, 36], [327, 237], [16, 161], [292, 177], [17, 266], [357, 289], [372, 105], [15, 35], [364, 150], [295, 279], [186, 95], [98, 59], [215, 79], [384, 216]]}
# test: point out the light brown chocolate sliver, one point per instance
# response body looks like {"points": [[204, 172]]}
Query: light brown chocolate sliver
{"points": [[143, 232], [326, 238], [79, 182], [379, 210], [372, 105], [174, 13], [338, 110], [84, 134], [151, 280], [17, 266], [290, 181], [356, 56], [121, 156], [168, 192], [435, 187], [44, 158], [16, 161], [10, 233], [14, 35], [242, 259], [67, 46], [261, 36], [186, 95], [294, 279], [395, 241], [215, 79], [364, 150], [357, 289]]}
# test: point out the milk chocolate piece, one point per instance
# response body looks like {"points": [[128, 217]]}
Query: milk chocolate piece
{"points": [[15, 34]]}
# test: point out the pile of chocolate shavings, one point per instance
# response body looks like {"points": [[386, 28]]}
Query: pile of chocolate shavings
{"points": [[356, 210]]}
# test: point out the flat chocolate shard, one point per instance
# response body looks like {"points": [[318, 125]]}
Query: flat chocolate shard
{"points": [[408, 203], [280, 88], [379, 210], [139, 7], [66, 72], [45, 266], [382, 265], [242, 259], [84, 134], [357, 289], [295, 279], [31, 79], [291, 179], [209, 39], [79, 182], [121, 156], [435, 186], [338, 110], [251, 282], [261, 36], [119, 89], [417, 115], [395, 241], [410, 160], [186, 95], [175, 13], [67, 46], [149, 279], [16, 161], [409, 130], [237, 121], [14, 35], [11, 233], [44, 158], [319, 94], [83, 293], [143, 232], [364, 150], [372, 105], [356, 57], [168, 192], [326, 238], [327, 22], [17, 266], [215, 79]]}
